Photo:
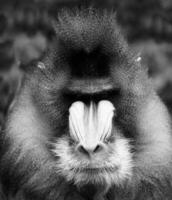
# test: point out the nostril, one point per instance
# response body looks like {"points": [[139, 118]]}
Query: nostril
{"points": [[89, 150], [82, 150], [97, 149]]}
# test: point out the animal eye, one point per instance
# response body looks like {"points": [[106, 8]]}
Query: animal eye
{"points": [[41, 65]]}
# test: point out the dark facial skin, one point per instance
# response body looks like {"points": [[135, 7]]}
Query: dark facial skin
{"points": [[87, 123]]}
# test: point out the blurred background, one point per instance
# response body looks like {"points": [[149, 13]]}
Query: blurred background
{"points": [[26, 33]]}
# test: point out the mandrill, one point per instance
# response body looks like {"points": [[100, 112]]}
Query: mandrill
{"points": [[86, 123]]}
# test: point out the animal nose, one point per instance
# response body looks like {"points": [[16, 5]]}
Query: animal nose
{"points": [[90, 150]]}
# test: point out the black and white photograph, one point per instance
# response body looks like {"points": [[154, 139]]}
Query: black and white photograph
{"points": [[85, 99]]}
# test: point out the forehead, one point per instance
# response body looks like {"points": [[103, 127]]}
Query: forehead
{"points": [[88, 42]]}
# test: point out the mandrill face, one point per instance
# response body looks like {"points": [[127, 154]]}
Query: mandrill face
{"points": [[99, 153], [87, 115], [103, 108]]}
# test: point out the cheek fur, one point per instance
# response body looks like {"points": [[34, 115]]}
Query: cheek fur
{"points": [[115, 167]]}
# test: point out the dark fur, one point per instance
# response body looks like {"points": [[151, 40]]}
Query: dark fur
{"points": [[27, 167]]}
